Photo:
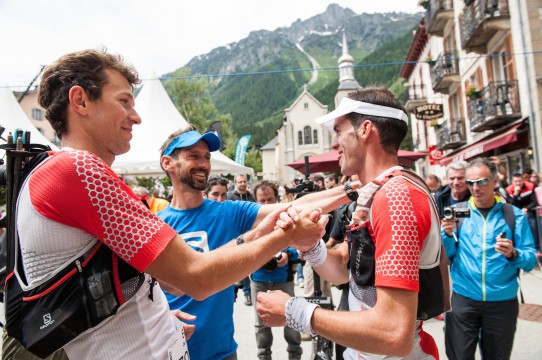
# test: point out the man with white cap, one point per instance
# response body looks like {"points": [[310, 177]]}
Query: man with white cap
{"points": [[393, 243], [207, 225]]}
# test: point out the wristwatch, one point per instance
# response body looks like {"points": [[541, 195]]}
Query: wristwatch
{"points": [[514, 255], [239, 240], [351, 193]]}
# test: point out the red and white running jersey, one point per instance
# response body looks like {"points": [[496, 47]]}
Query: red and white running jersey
{"points": [[406, 239], [67, 203]]}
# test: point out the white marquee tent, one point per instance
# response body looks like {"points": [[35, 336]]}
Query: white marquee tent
{"points": [[159, 119], [12, 117]]}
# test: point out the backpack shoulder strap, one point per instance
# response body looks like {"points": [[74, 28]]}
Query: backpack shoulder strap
{"points": [[510, 218]]}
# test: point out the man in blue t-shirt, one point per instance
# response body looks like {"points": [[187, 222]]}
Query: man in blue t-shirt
{"points": [[206, 225]]}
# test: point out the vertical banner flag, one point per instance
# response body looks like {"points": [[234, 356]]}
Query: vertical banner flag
{"points": [[241, 149]]}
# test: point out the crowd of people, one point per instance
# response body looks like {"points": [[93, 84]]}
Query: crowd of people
{"points": [[157, 280]]}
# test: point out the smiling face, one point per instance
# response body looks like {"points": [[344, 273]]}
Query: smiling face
{"points": [[111, 118], [192, 165], [348, 145]]}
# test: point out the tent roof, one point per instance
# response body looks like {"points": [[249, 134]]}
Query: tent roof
{"points": [[12, 117], [160, 118]]}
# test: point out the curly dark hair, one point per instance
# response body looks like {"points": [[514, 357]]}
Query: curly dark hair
{"points": [[84, 68]]}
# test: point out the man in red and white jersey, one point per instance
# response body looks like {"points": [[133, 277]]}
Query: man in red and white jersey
{"points": [[393, 243], [73, 203]]}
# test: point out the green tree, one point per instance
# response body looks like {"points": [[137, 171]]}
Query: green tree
{"points": [[192, 98]]}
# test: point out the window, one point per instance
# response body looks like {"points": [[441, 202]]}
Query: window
{"points": [[300, 137], [306, 105], [307, 131], [37, 114], [315, 136]]}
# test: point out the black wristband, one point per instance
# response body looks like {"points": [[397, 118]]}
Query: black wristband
{"points": [[239, 240], [351, 193]]}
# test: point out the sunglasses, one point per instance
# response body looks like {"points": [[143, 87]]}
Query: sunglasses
{"points": [[479, 182]]}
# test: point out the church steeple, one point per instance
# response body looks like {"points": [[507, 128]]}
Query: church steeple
{"points": [[346, 70], [347, 81]]}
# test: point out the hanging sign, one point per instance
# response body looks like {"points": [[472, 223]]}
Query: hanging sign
{"points": [[428, 112]]}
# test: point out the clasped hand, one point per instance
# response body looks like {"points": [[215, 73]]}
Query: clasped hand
{"points": [[271, 307], [305, 228]]}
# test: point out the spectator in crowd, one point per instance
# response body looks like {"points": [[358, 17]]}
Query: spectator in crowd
{"points": [[486, 250], [318, 180], [527, 173], [88, 96], [241, 189], [153, 202], [456, 190], [369, 125], [535, 179], [277, 274], [216, 189], [521, 194], [332, 181], [433, 182]]}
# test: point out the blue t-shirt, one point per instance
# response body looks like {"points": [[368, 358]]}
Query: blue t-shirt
{"points": [[205, 228]]}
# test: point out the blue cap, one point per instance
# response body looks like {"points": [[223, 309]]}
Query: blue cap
{"points": [[189, 138]]}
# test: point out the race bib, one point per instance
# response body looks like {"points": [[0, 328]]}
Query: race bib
{"points": [[177, 348]]}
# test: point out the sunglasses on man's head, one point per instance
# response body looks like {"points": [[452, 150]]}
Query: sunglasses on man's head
{"points": [[479, 182]]}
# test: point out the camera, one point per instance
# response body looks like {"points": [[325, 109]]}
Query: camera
{"points": [[273, 263], [301, 187], [455, 213]]}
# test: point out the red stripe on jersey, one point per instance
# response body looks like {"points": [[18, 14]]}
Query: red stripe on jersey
{"points": [[78, 189], [401, 220]]}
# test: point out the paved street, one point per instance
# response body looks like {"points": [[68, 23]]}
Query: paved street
{"points": [[527, 344]]}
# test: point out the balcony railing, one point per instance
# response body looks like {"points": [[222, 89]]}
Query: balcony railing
{"points": [[445, 72], [417, 95], [495, 106], [438, 13], [451, 134], [480, 21]]}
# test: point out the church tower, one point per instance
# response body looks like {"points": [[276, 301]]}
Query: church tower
{"points": [[347, 81]]}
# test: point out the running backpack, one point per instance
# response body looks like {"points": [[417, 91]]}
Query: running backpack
{"points": [[80, 296], [434, 286]]}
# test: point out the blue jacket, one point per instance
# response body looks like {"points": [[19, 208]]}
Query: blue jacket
{"points": [[478, 271], [279, 274]]}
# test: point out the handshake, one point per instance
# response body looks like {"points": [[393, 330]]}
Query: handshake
{"points": [[301, 229]]}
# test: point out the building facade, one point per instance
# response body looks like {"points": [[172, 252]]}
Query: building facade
{"points": [[474, 62]]}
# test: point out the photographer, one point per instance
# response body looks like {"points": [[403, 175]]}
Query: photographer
{"points": [[277, 274], [486, 250]]}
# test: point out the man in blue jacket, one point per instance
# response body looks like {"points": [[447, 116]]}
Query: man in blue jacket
{"points": [[486, 251], [277, 274]]}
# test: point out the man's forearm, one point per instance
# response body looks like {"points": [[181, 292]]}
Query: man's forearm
{"points": [[327, 200], [387, 329]]}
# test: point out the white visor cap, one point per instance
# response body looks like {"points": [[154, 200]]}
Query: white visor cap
{"points": [[348, 106]]}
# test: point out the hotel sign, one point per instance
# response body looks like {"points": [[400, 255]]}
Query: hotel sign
{"points": [[429, 112]]}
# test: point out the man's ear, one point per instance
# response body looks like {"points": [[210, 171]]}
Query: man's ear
{"points": [[365, 130], [165, 161], [78, 100]]}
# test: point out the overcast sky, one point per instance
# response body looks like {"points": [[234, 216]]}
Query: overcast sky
{"points": [[155, 36]]}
